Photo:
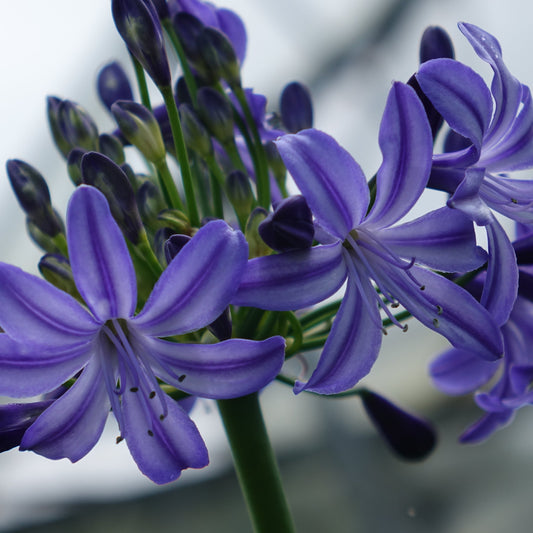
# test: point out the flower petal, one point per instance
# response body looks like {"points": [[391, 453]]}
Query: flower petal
{"points": [[443, 239], [460, 95], [34, 311], [457, 372], [407, 146], [198, 284], [101, 264], [442, 306], [72, 425], [501, 284], [292, 280], [331, 181], [352, 345], [29, 369], [228, 369], [161, 448], [486, 426]]}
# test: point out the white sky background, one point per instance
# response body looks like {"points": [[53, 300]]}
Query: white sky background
{"points": [[55, 47]]}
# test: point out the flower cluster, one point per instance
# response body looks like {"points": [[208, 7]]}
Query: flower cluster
{"points": [[159, 290]]}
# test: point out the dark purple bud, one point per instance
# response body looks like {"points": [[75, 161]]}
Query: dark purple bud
{"points": [[77, 126], [74, 165], [290, 226], [221, 327], [100, 172], [151, 202], [45, 241], [195, 134], [16, 418], [113, 84], [409, 436], [182, 93], [188, 29], [111, 146], [55, 268], [174, 244], [161, 8], [141, 129], [216, 113], [218, 57], [52, 111], [435, 43], [33, 195], [139, 26], [296, 107], [240, 193]]}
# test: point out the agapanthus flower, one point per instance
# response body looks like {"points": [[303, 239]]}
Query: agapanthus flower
{"points": [[492, 134], [366, 249], [117, 357], [458, 372]]}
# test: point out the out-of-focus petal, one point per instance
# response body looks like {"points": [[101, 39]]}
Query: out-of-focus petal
{"points": [[457, 372], [485, 426], [198, 283], [231, 25], [72, 425], [101, 264], [407, 146], [331, 181], [228, 369], [162, 448], [34, 311], [29, 369], [443, 239], [292, 280], [460, 95], [501, 284], [352, 345]]}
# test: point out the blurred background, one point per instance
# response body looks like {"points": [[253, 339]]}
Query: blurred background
{"points": [[338, 474]]}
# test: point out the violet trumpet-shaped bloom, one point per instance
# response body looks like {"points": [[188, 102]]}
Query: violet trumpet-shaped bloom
{"points": [[458, 372], [50, 337], [365, 248], [492, 134]]}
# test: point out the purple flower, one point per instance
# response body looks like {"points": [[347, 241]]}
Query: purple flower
{"points": [[366, 248], [492, 134], [458, 372], [49, 338]]}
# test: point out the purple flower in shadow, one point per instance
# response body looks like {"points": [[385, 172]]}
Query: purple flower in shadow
{"points": [[492, 134], [368, 251], [50, 337]]}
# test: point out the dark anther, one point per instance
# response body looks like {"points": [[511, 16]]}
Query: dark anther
{"points": [[181, 378], [119, 439], [436, 322], [151, 433], [134, 389], [161, 417], [422, 287], [152, 394]]}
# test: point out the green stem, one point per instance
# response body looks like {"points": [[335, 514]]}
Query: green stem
{"points": [[141, 82], [181, 151], [256, 465], [168, 187]]}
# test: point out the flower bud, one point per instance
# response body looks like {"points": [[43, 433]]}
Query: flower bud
{"points": [[111, 146], [240, 193], [221, 327], [218, 57], [435, 43], [174, 244], [55, 268], [216, 113], [139, 26], [188, 29], [33, 195], [45, 241], [256, 245], [140, 128], [290, 226], [151, 202], [113, 84], [409, 436], [74, 165], [77, 126], [100, 172], [276, 164], [175, 220], [52, 110], [194, 132], [296, 107]]}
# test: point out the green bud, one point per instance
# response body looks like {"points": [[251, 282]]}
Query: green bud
{"points": [[194, 132], [216, 113], [256, 245], [110, 146], [240, 193], [55, 268], [175, 220]]}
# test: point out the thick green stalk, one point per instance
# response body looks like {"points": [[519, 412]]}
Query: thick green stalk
{"points": [[256, 465], [181, 151]]}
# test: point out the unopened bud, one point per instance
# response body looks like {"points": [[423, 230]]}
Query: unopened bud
{"points": [[240, 193], [195, 134], [56, 269], [77, 126], [74, 165], [296, 107], [219, 57], [52, 111], [435, 43], [141, 129], [216, 113], [111, 146], [256, 245], [113, 84]]}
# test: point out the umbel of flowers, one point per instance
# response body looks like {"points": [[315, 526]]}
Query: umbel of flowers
{"points": [[163, 287]]}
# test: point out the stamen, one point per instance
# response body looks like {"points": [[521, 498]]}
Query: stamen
{"points": [[152, 395], [181, 378], [119, 439], [436, 322], [134, 389], [151, 433], [439, 310]]}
